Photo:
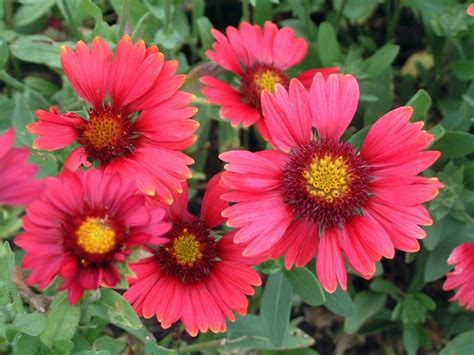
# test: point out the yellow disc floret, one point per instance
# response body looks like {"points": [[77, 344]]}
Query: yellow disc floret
{"points": [[102, 131], [95, 236], [186, 249], [267, 80], [327, 178]]}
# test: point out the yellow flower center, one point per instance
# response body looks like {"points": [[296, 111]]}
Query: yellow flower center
{"points": [[327, 177], [102, 131], [95, 236], [187, 249], [267, 80]]}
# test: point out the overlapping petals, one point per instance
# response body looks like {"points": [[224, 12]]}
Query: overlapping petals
{"points": [[52, 224], [245, 50], [390, 218], [204, 304], [146, 119], [462, 278]]}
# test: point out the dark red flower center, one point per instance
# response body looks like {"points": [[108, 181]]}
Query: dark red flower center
{"points": [[92, 238], [326, 182], [108, 134], [190, 254], [258, 78]]}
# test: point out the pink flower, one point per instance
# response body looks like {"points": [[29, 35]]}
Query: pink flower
{"points": [[18, 185], [259, 57], [322, 196], [470, 10], [194, 277], [462, 278], [138, 121], [83, 227]]}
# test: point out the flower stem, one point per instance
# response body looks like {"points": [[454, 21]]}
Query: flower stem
{"points": [[169, 22], [70, 20], [308, 21], [339, 14], [245, 10], [124, 16]]}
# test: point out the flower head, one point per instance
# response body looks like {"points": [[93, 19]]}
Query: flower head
{"points": [[195, 277], [462, 278], [260, 58], [138, 121], [322, 196], [83, 227], [18, 185]]}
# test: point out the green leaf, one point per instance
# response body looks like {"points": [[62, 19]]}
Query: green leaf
{"points": [[114, 346], [434, 234], [415, 308], [460, 345], [25, 105], [32, 324], [436, 264], [3, 53], [366, 304], [10, 222], [8, 291], [63, 320], [31, 345], [387, 287], [151, 348], [410, 338], [250, 325], [306, 284], [339, 302], [37, 49], [204, 27], [43, 86], [358, 138], [276, 307], [113, 308], [327, 45], [137, 10], [454, 144], [294, 339], [47, 162], [381, 60], [421, 103], [87, 8], [381, 87], [228, 136], [355, 10], [262, 12], [31, 11], [463, 70]]}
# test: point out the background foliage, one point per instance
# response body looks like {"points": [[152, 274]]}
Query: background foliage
{"points": [[414, 52]]}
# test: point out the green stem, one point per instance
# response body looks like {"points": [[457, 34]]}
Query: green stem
{"points": [[459, 48], [18, 85], [9, 13], [11, 81], [124, 16], [339, 14], [308, 21], [393, 20], [70, 20], [245, 10], [168, 24]]}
